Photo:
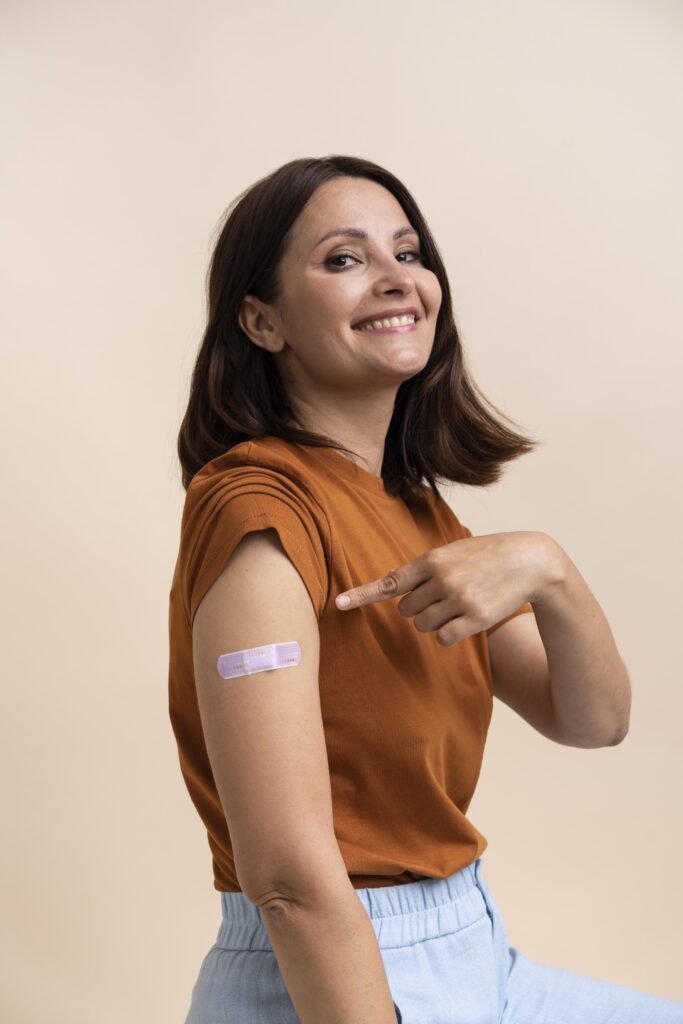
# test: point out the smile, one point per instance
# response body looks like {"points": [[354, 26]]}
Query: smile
{"points": [[394, 323]]}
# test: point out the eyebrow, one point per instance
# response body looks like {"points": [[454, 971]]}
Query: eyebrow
{"points": [[359, 233]]}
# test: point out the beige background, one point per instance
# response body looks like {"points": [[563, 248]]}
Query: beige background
{"points": [[543, 142]]}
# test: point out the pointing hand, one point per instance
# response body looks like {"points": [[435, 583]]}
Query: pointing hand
{"points": [[466, 586]]}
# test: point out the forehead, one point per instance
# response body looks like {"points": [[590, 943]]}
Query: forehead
{"points": [[342, 202]]}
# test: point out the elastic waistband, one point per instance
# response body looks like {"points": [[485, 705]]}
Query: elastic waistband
{"points": [[400, 914]]}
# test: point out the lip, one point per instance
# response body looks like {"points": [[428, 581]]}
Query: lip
{"points": [[385, 314]]}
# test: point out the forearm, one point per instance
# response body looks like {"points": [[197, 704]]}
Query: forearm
{"points": [[590, 688], [330, 959]]}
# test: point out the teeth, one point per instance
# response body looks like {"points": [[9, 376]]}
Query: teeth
{"points": [[394, 321]]}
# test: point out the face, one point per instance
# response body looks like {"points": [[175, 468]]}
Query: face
{"points": [[328, 287]]}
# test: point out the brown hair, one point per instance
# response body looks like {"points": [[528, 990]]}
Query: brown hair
{"points": [[440, 426]]}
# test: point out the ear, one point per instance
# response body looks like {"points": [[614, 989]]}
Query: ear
{"points": [[257, 321]]}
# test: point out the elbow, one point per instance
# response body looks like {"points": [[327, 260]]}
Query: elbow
{"points": [[624, 718], [622, 713], [623, 727], [596, 739], [312, 884], [619, 736]]}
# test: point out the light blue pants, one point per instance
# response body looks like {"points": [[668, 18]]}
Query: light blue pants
{"points": [[447, 959]]}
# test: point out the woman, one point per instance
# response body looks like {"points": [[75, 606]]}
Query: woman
{"points": [[332, 752]]}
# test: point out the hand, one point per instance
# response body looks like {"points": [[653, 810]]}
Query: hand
{"points": [[466, 586]]}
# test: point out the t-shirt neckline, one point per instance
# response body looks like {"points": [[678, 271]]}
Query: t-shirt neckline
{"points": [[352, 471]]}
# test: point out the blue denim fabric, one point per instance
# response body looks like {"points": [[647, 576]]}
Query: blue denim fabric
{"points": [[447, 959]]}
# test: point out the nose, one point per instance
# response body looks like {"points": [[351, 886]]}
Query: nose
{"points": [[394, 275]]}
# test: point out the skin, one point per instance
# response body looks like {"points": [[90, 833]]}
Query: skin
{"points": [[342, 382], [559, 668]]}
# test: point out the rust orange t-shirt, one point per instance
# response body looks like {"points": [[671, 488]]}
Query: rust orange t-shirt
{"points": [[405, 719]]}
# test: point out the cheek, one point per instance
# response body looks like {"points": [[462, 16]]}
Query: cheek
{"points": [[326, 308], [432, 290]]}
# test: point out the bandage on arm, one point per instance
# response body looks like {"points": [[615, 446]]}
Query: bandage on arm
{"points": [[258, 659]]}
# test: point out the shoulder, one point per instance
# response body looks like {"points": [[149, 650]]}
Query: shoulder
{"points": [[246, 489], [265, 465]]}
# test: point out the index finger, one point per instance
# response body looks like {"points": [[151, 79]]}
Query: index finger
{"points": [[379, 590]]}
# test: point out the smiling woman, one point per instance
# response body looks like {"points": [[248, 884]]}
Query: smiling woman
{"points": [[329, 396], [305, 255]]}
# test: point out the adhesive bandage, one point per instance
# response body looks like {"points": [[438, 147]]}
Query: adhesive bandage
{"points": [[258, 659]]}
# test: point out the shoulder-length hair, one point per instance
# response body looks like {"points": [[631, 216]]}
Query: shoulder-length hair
{"points": [[440, 427]]}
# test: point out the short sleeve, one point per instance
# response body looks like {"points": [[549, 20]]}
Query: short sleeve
{"points": [[526, 607], [239, 502]]}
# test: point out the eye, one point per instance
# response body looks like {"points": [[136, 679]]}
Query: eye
{"points": [[340, 256], [347, 255], [411, 252]]}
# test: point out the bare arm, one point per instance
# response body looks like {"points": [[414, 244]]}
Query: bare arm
{"points": [[329, 958], [560, 668], [266, 744]]}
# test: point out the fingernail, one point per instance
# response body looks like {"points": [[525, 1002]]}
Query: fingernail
{"points": [[343, 601]]}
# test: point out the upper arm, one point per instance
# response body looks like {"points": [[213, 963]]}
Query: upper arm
{"points": [[263, 732], [519, 669]]}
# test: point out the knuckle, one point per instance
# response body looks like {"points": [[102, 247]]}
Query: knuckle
{"points": [[389, 584], [477, 611], [432, 558], [455, 582]]}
